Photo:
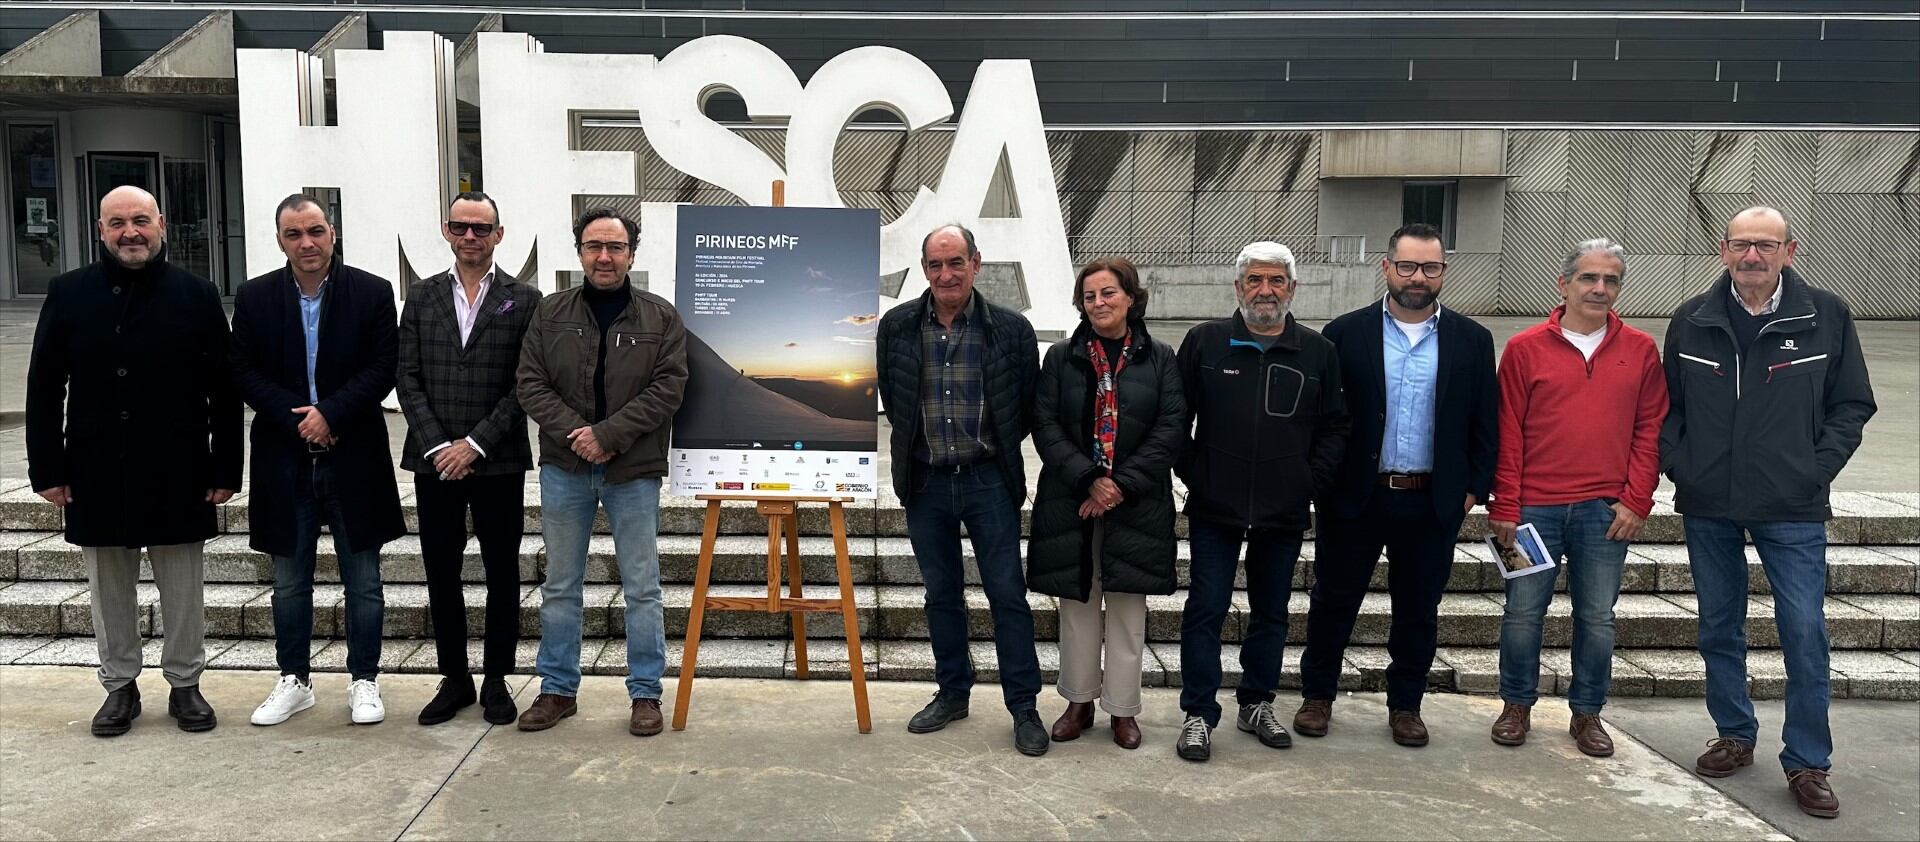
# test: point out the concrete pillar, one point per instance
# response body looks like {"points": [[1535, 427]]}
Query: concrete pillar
{"points": [[204, 51]]}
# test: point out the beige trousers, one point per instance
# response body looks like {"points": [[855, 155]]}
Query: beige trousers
{"points": [[1087, 632], [113, 579]]}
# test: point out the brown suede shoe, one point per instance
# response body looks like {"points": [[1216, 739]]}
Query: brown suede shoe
{"points": [[1724, 757], [546, 711], [1810, 788], [1126, 731], [1590, 735], [1408, 730], [1077, 717], [1512, 726], [645, 721], [1313, 718]]}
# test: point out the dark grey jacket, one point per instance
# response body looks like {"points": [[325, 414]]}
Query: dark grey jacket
{"points": [[1013, 361], [1759, 433], [1137, 551], [451, 390]]}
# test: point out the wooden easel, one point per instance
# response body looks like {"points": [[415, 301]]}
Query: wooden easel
{"points": [[782, 519]]}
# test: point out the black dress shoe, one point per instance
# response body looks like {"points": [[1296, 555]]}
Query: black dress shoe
{"points": [[496, 701], [117, 713], [454, 694], [190, 709], [943, 709], [1029, 736]]}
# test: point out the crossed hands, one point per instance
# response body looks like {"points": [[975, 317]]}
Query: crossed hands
{"points": [[588, 447], [1103, 496]]}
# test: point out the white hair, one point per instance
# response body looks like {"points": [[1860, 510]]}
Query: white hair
{"points": [[1600, 245], [1265, 251]]}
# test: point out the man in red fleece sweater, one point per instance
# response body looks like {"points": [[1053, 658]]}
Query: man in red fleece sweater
{"points": [[1582, 397]]}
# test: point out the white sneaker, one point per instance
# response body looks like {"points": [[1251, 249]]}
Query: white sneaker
{"points": [[363, 699], [289, 696]]}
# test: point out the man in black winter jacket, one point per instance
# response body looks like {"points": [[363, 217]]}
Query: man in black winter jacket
{"points": [[1272, 426], [1768, 395], [957, 379]]}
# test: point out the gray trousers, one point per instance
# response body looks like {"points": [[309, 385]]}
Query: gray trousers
{"points": [[113, 579]]}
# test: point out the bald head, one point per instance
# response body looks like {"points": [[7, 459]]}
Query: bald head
{"points": [[131, 226], [1763, 219]]}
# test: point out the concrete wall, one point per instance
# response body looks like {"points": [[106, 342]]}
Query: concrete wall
{"points": [[172, 134]]}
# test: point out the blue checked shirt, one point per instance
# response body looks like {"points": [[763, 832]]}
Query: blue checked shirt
{"points": [[953, 399]]}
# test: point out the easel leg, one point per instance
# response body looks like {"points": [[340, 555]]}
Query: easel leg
{"points": [[849, 612], [697, 613], [796, 577]]}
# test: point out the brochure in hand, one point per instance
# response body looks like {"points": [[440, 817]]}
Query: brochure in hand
{"points": [[1527, 555]]}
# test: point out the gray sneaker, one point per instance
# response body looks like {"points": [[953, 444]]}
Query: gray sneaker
{"points": [[1196, 740], [1260, 721]]}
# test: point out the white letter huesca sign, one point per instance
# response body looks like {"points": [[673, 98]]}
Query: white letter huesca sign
{"points": [[392, 156]]}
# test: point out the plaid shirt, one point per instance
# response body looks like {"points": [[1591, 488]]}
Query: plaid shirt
{"points": [[953, 397]]}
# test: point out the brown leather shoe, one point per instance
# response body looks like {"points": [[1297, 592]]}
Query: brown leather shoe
{"points": [[645, 721], [1725, 756], [1810, 788], [1076, 718], [1590, 735], [1126, 731], [1313, 717], [1408, 730], [546, 711], [1512, 726]]}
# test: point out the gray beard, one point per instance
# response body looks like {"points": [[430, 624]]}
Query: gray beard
{"points": [[1278, 319]]}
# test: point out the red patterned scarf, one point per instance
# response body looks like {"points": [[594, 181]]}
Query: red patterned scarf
{"points": [[1106, 398]]}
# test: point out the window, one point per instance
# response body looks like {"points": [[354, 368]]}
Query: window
{"points": [[1431, 202], [33, 177]]}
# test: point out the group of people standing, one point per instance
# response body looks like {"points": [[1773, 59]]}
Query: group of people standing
{"points": [[1379, 433]]}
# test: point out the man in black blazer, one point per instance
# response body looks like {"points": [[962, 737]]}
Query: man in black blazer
{"points": [[460, 334], [314, 351], [1425, 406]]}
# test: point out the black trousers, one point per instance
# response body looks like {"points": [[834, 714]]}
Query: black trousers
{"points": [[1419, 546], [498, 507]]}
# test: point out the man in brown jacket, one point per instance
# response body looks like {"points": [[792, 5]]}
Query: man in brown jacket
{"points": [[602, 371]]}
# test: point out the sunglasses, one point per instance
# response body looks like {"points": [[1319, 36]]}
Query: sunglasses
{"points": [[479, 229]]}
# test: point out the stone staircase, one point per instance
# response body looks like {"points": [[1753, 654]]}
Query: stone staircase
{"points": [[1873, 604]]}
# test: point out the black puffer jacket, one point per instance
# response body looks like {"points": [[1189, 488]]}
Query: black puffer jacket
{"points": [[1013, 357], [1137, 553]]}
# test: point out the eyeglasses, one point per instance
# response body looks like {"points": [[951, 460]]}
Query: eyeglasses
{"points": [[479, 229], [1406, 268], [597, 247], [1766, 248], [1254, 281]]}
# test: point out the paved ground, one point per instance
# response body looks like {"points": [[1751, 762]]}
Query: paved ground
{"points": [[781, 759], [1888, 459]]}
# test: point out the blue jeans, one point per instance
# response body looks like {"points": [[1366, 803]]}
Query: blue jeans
{"points": [[315, 498], [1576, 532], [1794, 556], [1271, 557], [978, 499], [567, 504]]}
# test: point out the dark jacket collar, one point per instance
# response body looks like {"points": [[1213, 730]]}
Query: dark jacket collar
{"points": [[1142, 341], [1288, 339], [1794, 300], [978, 311]]}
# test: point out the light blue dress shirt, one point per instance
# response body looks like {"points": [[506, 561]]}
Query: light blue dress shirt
{"points": [[1412, 372], [310, 322]]}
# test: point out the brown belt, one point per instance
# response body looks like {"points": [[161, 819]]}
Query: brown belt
{"points": [[1406, 482]]}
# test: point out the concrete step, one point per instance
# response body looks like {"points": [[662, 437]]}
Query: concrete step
{"points": [[1651, 568], [1859, 517], [897, 612], [1636, 672]]}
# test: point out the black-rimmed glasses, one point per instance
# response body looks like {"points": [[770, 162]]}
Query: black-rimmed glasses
{"points": [[1406, 268]]}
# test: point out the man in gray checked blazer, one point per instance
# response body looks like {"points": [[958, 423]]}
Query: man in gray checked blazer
{"points": [[467, 445]]}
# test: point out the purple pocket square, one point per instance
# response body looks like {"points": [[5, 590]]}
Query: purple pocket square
{"points": [[504, 307]]}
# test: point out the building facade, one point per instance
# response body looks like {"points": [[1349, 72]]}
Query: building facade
{"points": [[1177, 131]]}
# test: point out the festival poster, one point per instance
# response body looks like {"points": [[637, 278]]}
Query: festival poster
{"points": [[781, 307]]}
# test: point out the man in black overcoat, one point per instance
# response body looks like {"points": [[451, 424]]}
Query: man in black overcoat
{"points": [[133, 430]]}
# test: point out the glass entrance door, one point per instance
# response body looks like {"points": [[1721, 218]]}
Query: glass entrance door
{"points": [[33, 180]]}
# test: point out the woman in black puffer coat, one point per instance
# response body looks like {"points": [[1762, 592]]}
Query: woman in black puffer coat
{"points": [[1109, 421]]}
